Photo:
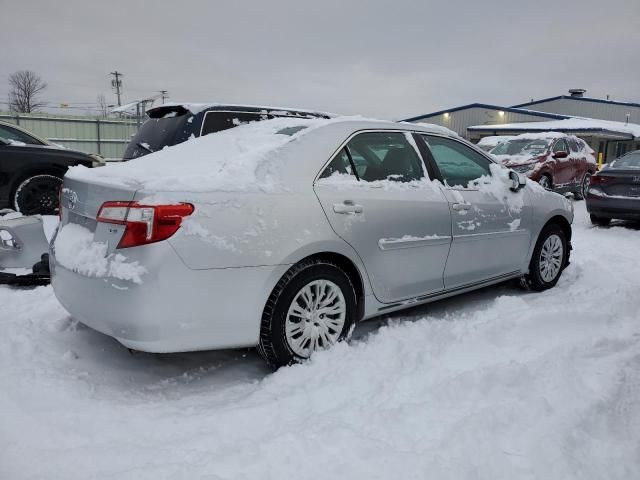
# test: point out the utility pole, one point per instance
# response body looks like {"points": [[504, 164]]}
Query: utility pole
{"points": [[165, 95], [116, 84]]}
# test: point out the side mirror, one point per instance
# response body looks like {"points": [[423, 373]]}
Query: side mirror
{"points": [[561, 154], [518, 181]]}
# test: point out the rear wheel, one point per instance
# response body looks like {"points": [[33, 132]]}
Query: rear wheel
{"points": [[584, 186], [600, 221], [311, 308], [548, 260], [38, 194], [545, 182]]}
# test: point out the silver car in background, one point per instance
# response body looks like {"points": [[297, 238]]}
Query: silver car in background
{"points": [[372, 217]]}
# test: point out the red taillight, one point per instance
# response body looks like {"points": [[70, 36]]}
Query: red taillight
{"points": [[600, 179], [144, 223]]}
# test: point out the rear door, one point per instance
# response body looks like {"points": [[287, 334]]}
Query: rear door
{"points": [[490, 223], [378, 198]]}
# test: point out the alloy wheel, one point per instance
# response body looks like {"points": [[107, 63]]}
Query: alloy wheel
{"points": [[551, 256], [315, 318]]}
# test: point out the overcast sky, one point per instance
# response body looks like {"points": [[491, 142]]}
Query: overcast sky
{"points": [[389, 59]]}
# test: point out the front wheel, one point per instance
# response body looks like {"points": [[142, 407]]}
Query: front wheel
{"points": [[311, 308], [38, 194], [545, 182], [548, 260]]}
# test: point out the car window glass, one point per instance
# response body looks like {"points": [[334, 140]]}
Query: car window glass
{"points": [[219, 121], [12, 135], [458, 164], [573, 145], [339, 165], [560, 146], [385, 156]]}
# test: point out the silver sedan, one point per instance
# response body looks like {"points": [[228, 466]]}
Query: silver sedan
{"points": [[326, 223]]}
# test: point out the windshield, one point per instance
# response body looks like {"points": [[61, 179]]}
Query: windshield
{"points": [[157, 133], [523, 146], [631, 160]]}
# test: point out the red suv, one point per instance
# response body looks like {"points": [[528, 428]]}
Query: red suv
{"points": [[559, 162]]}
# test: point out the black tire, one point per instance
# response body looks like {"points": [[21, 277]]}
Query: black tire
{"points": [[581, 193], [38, 194], [546, 182], [274, 347], [534, 279], [599, 221]]}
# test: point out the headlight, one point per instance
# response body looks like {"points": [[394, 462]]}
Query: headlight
{"points": [[524, 168]]}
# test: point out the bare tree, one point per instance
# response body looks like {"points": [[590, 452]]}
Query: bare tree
{"points": [[103, 108], [25, 88]]}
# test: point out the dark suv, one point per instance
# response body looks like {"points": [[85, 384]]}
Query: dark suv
{"points": [[174, 123], [31, 170]]}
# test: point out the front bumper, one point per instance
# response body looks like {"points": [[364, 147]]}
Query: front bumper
{"points": [[175, 308]]}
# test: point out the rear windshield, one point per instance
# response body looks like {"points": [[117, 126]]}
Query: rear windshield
{"points": [[631, 160], [157, 133]]}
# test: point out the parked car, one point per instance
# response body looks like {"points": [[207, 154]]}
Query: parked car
{"points": [[174, 123], [614, 192], [285, 233], [559, 162], [31, 170]]}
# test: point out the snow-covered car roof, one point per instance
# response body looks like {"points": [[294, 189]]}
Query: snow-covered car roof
{"points": [[196, 108], [262, 156]]}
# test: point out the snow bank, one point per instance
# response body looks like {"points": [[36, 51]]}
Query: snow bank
{"points": [[76, 251], [498, 384], [243, 158]]}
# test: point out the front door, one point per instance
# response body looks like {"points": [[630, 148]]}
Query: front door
{"points": [[378, 198], [490, 223]]}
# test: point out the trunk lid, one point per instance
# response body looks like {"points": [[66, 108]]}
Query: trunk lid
{"points": [[621, 183], [80, 201]]}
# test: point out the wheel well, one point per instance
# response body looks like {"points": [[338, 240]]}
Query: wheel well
{"points": [[563, 223], [22, 176], [350, 269]]}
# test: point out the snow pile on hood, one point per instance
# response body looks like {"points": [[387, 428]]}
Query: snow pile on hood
{"points": [[76, 251], [243, 158]]}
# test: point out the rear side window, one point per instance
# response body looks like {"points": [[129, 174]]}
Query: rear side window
{"points": [[574, 145], [458, 164], [219, 121], [378, 156], [560, 146]]}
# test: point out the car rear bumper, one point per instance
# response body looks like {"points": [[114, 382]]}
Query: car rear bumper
{"points": [[175, 308], [627, 208]]}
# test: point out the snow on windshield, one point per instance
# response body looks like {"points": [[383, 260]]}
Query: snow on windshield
{"points": [[238, 159], [522, 146]]}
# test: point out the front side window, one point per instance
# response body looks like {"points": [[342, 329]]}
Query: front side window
{"points": [[458, 164], [378, 156]]}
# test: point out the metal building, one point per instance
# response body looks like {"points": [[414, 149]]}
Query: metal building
{"points": [[476, 120]]}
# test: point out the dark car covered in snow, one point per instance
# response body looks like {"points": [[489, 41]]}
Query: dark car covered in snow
{"points": [[31, 170], [174, 123], [614, 191]]}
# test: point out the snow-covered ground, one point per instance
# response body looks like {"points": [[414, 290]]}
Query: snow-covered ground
{"points": [[495, 384]]}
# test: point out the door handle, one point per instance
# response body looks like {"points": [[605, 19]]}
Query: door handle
{"points": [[347, 207], [461, 207]]}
